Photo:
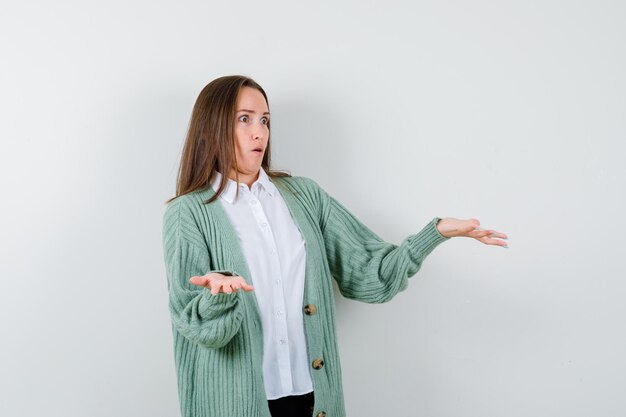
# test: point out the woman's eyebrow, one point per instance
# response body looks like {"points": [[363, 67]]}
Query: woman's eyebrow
{"points": [[251, 111]]}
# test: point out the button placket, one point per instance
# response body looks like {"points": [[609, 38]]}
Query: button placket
{"points": [[259, 214], [281, 332]]}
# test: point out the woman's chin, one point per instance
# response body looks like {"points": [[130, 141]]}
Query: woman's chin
{"points": [[254, 168]]}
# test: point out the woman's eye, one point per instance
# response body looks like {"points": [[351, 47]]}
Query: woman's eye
{"points": [[244, 118]]}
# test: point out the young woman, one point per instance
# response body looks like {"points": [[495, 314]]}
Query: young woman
{"points": [[251, 254]]}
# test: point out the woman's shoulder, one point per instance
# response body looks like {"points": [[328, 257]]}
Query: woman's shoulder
{"points": [[300, 183], [187, 205]]}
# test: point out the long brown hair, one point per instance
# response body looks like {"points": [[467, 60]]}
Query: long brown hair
{"points": [[210, 142]]}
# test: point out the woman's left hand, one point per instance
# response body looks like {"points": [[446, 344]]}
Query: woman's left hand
{"points": [[452, 227]]}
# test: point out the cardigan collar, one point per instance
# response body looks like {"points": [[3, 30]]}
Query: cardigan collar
{"points": [[231, 185]]}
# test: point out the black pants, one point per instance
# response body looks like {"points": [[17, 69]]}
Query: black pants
{"points": [[292, 406]]}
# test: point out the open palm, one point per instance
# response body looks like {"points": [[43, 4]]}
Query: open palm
{"points": [[453, 227], [217, 282]]}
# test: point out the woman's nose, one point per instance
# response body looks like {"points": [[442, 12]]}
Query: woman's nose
{"points": [[258, 131]]}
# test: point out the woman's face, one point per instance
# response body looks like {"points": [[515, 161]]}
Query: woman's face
{"points": [[251, 131]]}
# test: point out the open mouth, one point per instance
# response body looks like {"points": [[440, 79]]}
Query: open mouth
{"points": [[259, 150]]}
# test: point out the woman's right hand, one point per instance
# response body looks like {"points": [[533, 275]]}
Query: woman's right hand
{"points": [[216, 282]]}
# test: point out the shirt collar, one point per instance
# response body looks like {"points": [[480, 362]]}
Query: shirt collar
{"points": [[231, 185]]}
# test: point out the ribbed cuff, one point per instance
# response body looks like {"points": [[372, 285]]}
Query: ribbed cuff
{"points": [[218, 302], [426, 240], [435, 220]]}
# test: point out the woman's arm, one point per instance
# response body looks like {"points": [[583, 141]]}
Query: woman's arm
{"points": [[366, 267], [208, 319]]}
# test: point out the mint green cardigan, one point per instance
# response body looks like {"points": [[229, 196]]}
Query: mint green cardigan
{"points": [[218, 340]]}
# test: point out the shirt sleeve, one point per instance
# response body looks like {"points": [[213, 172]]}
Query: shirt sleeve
{"points": [[204, 318], [366, 267]]}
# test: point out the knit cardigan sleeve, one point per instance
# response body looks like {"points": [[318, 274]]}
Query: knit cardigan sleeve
{"points": [[210, 320], [366, 267]]}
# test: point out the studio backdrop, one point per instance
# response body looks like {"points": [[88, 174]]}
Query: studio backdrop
{"points": [[509, 112]]}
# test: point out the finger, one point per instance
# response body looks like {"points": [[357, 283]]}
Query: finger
{"points": [[480, 233], [247, 287], [227, 288], [471, 226], [215, 288], [201, 281], [496, 242]]}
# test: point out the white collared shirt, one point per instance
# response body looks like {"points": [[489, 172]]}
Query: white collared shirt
{"points": [[275, 254]]}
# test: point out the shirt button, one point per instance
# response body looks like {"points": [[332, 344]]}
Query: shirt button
{"points": [[309, 309], [318, 363], [283, 341], [321, 414], [278, 281], [278, 313], [263, 224]]}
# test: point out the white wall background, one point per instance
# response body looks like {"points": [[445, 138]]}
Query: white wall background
{"points": [[511, 112]]}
